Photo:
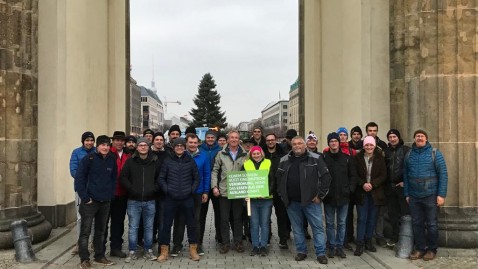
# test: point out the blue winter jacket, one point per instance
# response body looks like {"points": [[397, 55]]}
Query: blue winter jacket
{"points": [[211, 152], [204, 168], [422, 176], [96, 177], [76, 157], [179, 177]]}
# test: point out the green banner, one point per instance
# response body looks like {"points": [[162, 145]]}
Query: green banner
{"points": [[247, 184]]}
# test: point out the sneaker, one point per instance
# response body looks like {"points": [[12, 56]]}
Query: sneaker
{"points": [[340, 253], [359, 250], [85, 264], [300, 257], [176, 250], [239, 247], [369, 246], [430, 255], [391, 243], [117, 253], [224, 248], [254, 252], [104, 261], [347, 246], [382, 242], [330, 253], [263, 251], [131, 256], [200, 250], [75, 250], [283, 244], [322, 259], [148, 255]]}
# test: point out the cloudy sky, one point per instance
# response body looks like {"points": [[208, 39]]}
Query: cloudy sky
{"points": [[250, 47]]}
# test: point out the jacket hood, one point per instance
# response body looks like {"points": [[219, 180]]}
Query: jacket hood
{"points": [[204, 146]]}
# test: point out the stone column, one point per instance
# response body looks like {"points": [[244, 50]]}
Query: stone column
{"points": [[433, 86], [18, 119]]}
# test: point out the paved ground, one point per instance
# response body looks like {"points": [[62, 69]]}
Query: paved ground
{"points": [[56, 254]]}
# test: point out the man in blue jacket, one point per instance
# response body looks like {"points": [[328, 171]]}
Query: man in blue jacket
{"points": [[95, 184], [425, 183], [87, 146]]}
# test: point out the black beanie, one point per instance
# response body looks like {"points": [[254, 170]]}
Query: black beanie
{"points": [[148, 131], [395, 132], [131, 138], [103, 139], [291, 133], [356, 129], [86, 135], [175, 128], [190, 130], [158, 134], [211, 132], [331, 136]]}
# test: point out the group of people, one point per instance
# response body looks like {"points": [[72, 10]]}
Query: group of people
{"points": [[163, 186]]}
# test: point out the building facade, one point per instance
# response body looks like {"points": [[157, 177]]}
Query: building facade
{"points": [[275, 117], [294, 106], [135, 116], [152, 112]]}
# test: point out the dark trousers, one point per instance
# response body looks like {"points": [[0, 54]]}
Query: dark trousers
{"points": [[283, 222], [158, 219], [179, 222], [117, 216], [349, 233], [424, 213], [171, 207], [203, 216], [97, 211], [234, 205], [397, 208]]}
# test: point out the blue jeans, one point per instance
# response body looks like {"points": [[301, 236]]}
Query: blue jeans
{"points": [[336, 238], [261, 210], [366, 218], [136, 210], [313, 214], [424, 213]]}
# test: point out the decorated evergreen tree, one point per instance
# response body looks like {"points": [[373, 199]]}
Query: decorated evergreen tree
{"points": [[207, 112]]}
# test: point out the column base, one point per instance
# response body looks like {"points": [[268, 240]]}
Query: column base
{"points": [[38, 227], [458, 227]]}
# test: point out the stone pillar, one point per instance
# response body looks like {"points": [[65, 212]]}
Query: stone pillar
{"points": [[433, 86], [19, 119], [344, 65]]}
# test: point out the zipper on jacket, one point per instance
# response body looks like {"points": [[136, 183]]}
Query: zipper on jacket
{"points": [[142, 193]]}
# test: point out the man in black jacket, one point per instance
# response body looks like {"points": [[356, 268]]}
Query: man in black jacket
{"points": [[178, 179], [139, 179], [344, 178], [397, 205], [304, 181]]}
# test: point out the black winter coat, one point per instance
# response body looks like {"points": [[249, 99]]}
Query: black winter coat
{"points": [[314, 178], [179, 177], [275, 160], [344, 177], [394, 159], [138, 177]]}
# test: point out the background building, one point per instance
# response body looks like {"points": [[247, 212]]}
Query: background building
{"points": [[135, 117], [275, 117], [294, 106], [152, 110]]}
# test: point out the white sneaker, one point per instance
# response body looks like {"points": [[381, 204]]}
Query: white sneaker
{"points": [[131, 256], [148, 255]]}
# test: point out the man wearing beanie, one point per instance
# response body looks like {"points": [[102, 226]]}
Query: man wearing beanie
{"points": [[87, 146], [343, 134], [303, 182], [173, 133], [289, 134], [178, 179], [311, 143], [95, 183], [344, 180], [130, 144], [397, 206], [148, 134], [425, 185], [356, 138]]}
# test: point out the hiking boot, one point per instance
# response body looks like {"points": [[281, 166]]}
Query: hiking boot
{"points": [[176, 250], [347, 246], [263, 251], [416, 255], [193, 252], [239, 247], [224, 249], [430, 255], [340, 253], [117, 253], [85, 264], [104, 261], [359, 250], [300, 257], [330, 253], [131, 256], [148, 255], [322, 259], [254, 252], [200, 250], [164, 254], [283, 244], [369, 246]]}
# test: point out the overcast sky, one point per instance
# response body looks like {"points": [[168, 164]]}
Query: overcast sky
{"points": [[250, 47]]}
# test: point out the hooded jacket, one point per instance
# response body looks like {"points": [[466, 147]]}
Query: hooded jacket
{"points": [[76, 156], [394, 160], [138, 177], [210, 152], [204, 168]]}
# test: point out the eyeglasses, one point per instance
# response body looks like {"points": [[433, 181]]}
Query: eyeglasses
{"points": [[142, 145], [270, 140], [256, 131]]}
